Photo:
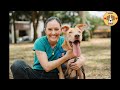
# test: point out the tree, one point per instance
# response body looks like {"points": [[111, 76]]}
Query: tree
{"points": [[12, 17], [93, 21], [35, 20], [18, 16], [86, 33], [32, 16]]}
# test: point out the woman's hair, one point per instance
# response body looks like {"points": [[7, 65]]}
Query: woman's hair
{"points": [[50, 19]]}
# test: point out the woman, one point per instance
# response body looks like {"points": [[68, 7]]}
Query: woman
{"points": [[48, 55]]}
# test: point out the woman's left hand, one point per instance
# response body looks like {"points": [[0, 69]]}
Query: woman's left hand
{"points": [[76, 65]]}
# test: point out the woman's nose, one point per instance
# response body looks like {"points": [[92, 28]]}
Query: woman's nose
{"points": [[53, 32]]}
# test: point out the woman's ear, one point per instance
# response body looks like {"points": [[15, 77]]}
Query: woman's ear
{"points": [[65, 28], [81, 26]]}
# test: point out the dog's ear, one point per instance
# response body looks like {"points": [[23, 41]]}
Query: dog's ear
{"points": [[82, 27], [65, 28]]}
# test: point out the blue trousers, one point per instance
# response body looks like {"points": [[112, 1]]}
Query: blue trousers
{"points": [[21, 70]]}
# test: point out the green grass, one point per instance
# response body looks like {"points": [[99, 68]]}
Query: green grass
{"points": [[97, 52]]}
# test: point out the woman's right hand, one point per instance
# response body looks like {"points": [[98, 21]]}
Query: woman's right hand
{"points": [[69, 54]]}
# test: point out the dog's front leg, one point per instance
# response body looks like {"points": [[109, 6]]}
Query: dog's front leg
{"points": [[79, 74], [61, 74]]}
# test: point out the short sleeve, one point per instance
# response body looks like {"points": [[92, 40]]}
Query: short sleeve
{"points": [[39, 45]]}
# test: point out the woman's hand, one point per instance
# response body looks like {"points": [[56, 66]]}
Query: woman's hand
{"points": [[69, 54], [76, 65]]}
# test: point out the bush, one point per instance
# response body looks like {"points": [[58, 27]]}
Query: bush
{"points": [[86, 35]]}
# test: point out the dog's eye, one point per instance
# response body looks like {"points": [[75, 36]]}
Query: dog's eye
{"points": [[79, 31], [70, 32]]}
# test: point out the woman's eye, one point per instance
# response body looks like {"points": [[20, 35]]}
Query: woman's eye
{"points": [[70, 32], [49, 29], [56, 29]]}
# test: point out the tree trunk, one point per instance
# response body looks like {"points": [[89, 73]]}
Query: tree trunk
{"points": [[82, 15], [83, 21], [35, 20], [14, 27], [91, 33]]}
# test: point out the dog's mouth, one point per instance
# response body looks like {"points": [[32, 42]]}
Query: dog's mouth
{"points": [[75, 42], [76, 47]]}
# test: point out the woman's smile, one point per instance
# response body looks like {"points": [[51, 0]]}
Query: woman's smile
{"points": [[53, 37], [53, 31]]}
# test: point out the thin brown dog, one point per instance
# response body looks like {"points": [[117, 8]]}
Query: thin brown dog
{"points": [[73, 38]]}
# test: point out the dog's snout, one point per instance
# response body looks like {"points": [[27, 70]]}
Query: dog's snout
{"points": [[77, 36]]}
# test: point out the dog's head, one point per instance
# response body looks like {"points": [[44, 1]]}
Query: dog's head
{"points": [[110, 19], [73, 36]]}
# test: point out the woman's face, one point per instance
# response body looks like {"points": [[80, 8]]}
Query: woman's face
{"points": [[53, 31]]}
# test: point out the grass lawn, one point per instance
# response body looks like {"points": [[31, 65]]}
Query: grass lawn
{"points": [[97, 52]]}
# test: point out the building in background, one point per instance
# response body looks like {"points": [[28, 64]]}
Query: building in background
{"points": [[102, 31], [24, 31]]}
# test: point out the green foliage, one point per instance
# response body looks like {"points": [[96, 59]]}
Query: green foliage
{"points": [[86, 35], [94, 22], [21, 15], [70, 17]]}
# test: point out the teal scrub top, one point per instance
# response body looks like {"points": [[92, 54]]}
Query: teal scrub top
{"points": [[42, 44]]}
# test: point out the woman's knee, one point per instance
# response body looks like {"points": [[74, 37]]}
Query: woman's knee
{"points": [[18, 64]]}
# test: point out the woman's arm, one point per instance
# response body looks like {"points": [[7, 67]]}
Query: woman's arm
{"points": [[50, 65], [76, 65]]}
